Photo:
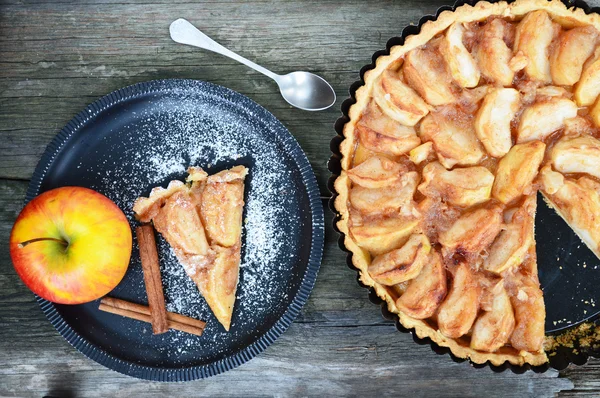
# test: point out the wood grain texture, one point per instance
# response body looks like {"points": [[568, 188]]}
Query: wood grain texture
{"points": [[58, 56]]}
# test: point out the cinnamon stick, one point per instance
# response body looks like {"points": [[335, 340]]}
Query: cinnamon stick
{"points": [[151, 269], [142, 313]]}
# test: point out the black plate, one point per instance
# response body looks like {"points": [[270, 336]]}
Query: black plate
{"points": [[148, 134], [569, 271]]}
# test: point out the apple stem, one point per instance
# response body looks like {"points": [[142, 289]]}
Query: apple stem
{"points": [[61, 241]]}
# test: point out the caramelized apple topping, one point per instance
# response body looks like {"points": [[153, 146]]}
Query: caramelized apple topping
{"points": [[461, 64], [492, 123], [458, 312], [379, 236], [376, 172], [577, 155], [453, 136], [426, 292], [385, 200], [178, 221], [223, 228], [544, 117], [574, 47], [595, 112], [425, 71], [473, 231], [533, 37], [461, 187], [421, 153], [398, 100], [588, 88], [493, 329], [510, 247], [530, 314], [517, 170], [402, 264], [493, 54], [379, 133]]}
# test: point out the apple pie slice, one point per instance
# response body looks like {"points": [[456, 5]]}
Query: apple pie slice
{"points": [[202, 221]]}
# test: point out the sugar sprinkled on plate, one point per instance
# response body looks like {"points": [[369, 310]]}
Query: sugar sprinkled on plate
{"points": [[167, 138]]}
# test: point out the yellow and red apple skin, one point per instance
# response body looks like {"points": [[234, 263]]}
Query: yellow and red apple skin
{"points": [[98, 251]]}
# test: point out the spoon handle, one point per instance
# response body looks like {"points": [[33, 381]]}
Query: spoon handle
{"points": [[185, 33]]}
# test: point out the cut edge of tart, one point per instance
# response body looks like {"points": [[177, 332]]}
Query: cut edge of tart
{"points": [[202, 222], [396, 111]]}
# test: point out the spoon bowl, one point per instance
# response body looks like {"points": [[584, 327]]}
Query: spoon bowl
{"points": [[303, 90], [306, 91]]}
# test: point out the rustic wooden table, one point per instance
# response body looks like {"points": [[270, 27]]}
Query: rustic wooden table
{"points": [[58, 56]]}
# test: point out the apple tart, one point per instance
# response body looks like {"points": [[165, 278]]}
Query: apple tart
{"points": [[450, 139], [202, 222]]}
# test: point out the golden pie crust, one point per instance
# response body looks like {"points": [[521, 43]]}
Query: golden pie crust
{"points": [[202, 222], [450, 138]]}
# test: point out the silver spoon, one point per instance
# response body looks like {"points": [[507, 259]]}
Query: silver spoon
{"points": [[303, 90]]}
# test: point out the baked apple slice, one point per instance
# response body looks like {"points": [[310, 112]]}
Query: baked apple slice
{"points": [[223, 191], [402, 264], [530, 313], [376, 172], [202, 222], [595, 112], [361, 154], [399, 144], [589, 183], [473, 231], [510, 247], [453, 137], [398, 100], [573, 48], [517, 170], [577, 155], [461, 186], [426, 292], [379, 236], [461, 64], [544, 117], [588, 88], [219, 285], [424, 70], [493, 54], [492, 123], [533, 37], [178, 221], [421, 153], [379, 133], [579, 126], [458, 312], [389, 199], [493, 329]]}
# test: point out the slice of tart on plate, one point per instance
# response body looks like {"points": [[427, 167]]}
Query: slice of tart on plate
{"points": [[450, 139], [202, 222]]}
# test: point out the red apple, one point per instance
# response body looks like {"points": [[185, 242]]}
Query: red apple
{"points": [[71, 245]]}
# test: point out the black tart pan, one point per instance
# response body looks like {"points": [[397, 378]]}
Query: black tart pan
{"points": [[567, 268], [147, 134]]}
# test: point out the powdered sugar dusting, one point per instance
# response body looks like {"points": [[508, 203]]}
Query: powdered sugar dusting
{"points": [[162, 141]]}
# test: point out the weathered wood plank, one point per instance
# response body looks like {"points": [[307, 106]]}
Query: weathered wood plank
{"points": [[586, 379]]}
